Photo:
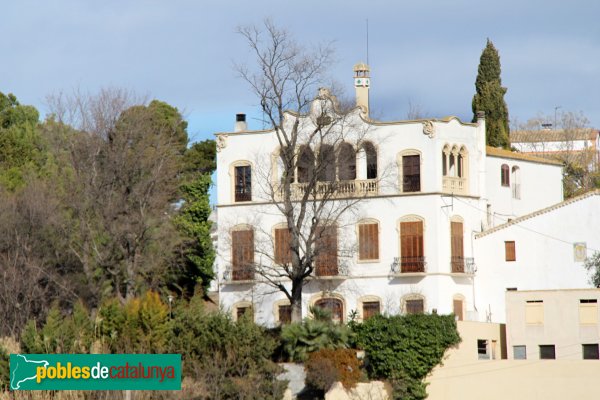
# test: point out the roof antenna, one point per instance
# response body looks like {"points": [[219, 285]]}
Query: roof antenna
{"points": [[367, 41]]}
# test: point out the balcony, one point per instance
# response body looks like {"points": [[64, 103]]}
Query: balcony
{"points": [[453, 184], [340, 189], [235, 274], [409, 265], [331, 271], [462, 265]]}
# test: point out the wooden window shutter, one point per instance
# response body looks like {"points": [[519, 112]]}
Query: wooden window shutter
{"points": [[242, 248], [415, 306], [326, 262], [283, 253], [458, 309], [411, 247], [368, 242], [504, 176], [285, 314], [370, 309], [457, 247], [510, 251]]}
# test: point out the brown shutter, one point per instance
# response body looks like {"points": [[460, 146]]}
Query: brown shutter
{"points": [[458, 309], [285, 314], [371, 308], [414, 306], [283, 253], [411, 247], [456, 247], [326, 258], [242, 248], [510, 251], [368, 242]]}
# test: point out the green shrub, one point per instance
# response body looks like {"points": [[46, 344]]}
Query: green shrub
{"points": [[327, 366], [230, 359], [404, 349], [300, 339]]}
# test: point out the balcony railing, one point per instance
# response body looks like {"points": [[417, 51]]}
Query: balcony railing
{"points": [[237, 274], [453, 184], [462, 265], [354, 188], [331, 271], [405, 265]]}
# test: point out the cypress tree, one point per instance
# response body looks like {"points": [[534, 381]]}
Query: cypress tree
{"points": [[489, 97]]}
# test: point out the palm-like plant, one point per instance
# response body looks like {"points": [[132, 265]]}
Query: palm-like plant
{"points": [[300, 339]]}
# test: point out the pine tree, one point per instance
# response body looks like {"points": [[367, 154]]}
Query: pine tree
{"points": [[489, 97]]}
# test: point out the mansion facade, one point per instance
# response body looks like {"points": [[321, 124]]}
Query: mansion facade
{"points": [[430, 230]]}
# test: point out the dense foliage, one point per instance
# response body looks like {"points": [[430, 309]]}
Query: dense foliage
{"points": [[404, 349], [101, 200], [489, 97], [327, 366]]}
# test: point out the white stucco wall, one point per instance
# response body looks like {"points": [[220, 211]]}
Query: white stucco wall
{"points": [[544, 253], [540, 186]]}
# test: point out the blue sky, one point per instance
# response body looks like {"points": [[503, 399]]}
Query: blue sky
{"points": [[425, 52]]}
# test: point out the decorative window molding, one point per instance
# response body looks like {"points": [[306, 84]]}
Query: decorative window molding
{"points": [[369, 300], [410, 163], [413, 303], [246, 306], [241, 181]]}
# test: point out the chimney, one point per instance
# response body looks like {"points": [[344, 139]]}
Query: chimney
{"points": [[362, 82], [240, 123]]}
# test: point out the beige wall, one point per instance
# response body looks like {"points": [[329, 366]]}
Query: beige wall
{"points": [[552, 317], [464, 377]]}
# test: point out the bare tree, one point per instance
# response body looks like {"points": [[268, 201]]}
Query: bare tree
{"points": [[565, 137], [313, 183], [123, 157]]}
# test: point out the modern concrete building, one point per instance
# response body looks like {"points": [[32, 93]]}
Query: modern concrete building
{"points": [[424, 227], [553, 324]]}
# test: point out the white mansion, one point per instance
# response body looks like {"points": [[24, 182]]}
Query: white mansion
{"points": [[445, 224]]}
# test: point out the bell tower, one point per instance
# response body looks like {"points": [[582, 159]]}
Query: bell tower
{"points": [[362, 82]]}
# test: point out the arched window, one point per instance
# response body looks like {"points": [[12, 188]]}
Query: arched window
{"points": [[371, 160], [445, 161], [462, 162], [368, 240], [243, 308], [326, 250], [457, 259], [409, 162], [346, 162], [458, 306], [326, 164], [412, 253], [242, 181], [242, 253], [413, 304], [504, 177], [516, 182], [306, 164], [334, 306]]}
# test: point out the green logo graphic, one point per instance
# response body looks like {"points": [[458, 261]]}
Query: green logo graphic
{"points": [[95, 371]]}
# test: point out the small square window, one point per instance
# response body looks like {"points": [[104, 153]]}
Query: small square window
{"points": [[590, 351], [547, 352], [414, 306], [483, 351], [520, 352]]}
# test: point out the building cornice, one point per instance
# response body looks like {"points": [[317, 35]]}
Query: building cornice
{"points": [[538, 212]]}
